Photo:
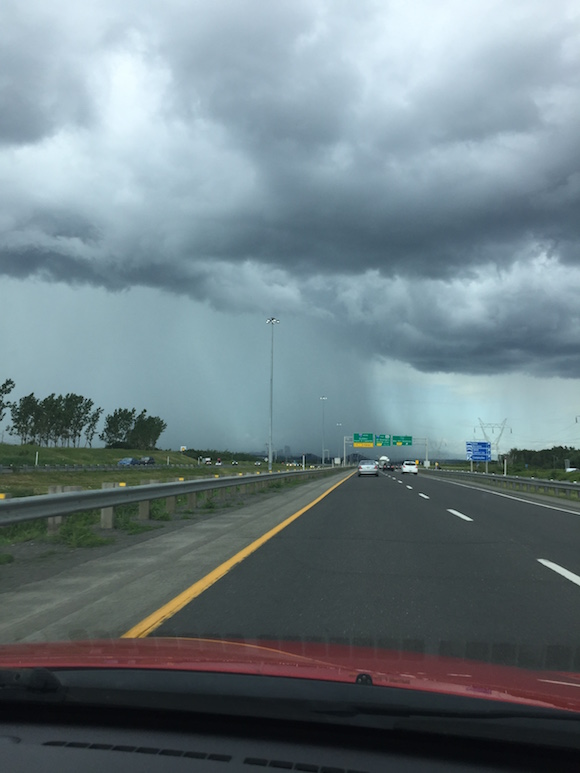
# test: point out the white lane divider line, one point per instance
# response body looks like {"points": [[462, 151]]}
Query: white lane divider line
{"points": [[424, 496], [410, 487], [460, 515], [560, 570], [399, 481]]}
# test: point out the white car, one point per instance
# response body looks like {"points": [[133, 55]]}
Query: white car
{"points": [[368, 467], [409, 467]]}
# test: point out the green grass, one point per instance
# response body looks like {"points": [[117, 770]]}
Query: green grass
{"points": [[77, 531], [19, 455], [208, 502], [134, 527], [20, 491], [36, 481], [125, 520], [158, 511], [23, 532]]}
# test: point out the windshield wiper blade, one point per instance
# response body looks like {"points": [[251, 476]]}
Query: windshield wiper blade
{"points": [[401, 711], [26, 683]]}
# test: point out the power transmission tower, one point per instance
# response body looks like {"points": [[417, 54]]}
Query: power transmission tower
{"points": [[492, 426], [438, 445]]}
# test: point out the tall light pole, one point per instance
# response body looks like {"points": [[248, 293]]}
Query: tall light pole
{"points": [[323, 401], [339, 424], [271, 321]]}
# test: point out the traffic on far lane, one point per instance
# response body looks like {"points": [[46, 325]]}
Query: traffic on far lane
{"points": [[409, 467], [130, 461]]}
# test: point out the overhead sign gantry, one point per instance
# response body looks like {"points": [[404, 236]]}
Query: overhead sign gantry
{"points": [[368, 440]]}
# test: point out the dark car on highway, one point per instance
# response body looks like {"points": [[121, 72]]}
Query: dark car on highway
{"points": [[127, 461], [146, 460]]}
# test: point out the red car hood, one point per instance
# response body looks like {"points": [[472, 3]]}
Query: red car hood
{"points": [[327, 662]]}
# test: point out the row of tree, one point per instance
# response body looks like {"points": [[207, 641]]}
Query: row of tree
{"points": [[66, 419], [55, 420], [545, 458], [125, 429]]}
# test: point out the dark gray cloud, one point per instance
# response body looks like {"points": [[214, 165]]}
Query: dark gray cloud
{"points": [[43, 81], [418, 174], [302, 147]]}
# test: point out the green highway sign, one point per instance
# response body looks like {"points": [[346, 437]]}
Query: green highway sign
{"points": [[364, 440], [382, 440], [402, 440]]}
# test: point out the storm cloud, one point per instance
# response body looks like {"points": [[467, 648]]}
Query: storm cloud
{"points": [[409, 172]]}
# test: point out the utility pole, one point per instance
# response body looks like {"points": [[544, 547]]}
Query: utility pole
{"points": [[271, 321], [346, 439], [323, 442]]}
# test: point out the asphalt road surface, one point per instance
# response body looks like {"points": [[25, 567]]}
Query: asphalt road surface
{"points": [[414, 562]]}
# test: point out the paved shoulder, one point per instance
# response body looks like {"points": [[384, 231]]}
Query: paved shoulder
{"points": [[103, 597]]}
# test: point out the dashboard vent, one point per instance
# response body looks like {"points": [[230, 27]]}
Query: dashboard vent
{"points": [[302, 766], [186, 754], [258, 762]]}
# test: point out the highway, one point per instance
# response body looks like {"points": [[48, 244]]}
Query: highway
{"points": [[411, 562], [417, 562]]}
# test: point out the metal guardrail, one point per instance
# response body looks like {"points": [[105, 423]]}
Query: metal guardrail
{"points": [[516, 482], [53, 505]]}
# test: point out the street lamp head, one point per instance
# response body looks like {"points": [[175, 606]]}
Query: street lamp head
{"points": [[324, 398], [272, 321]]}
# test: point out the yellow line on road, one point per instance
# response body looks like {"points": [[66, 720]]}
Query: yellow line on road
{"points": [[153, 621]]}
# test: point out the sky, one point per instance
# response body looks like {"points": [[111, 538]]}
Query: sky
{"points": [[397, 182]]}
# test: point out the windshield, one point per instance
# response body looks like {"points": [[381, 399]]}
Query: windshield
{"points": [[247, 249]]}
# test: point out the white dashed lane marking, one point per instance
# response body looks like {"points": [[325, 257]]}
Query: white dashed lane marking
{"points": [[459, 515], [560, 570]]}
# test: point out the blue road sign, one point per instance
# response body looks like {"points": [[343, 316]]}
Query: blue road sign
{"points": [[478, 451]]}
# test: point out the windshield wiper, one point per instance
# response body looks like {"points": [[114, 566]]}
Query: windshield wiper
{"points": [[402, 711], [29, 683], [525, 724]]}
